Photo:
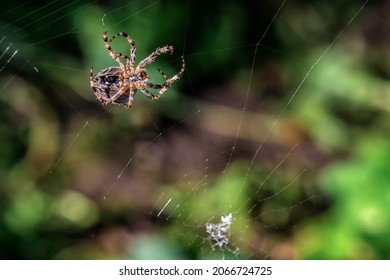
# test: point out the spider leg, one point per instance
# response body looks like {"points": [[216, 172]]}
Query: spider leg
{"points": [[132, 93], [92, 85], [147, 93], [168, 82], [162, 73], [146, 61], [114, 97], [180, 73], [91, 79], [133, 50], [155, 86], [111, 52]]}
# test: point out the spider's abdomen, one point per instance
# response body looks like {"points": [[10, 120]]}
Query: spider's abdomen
{"points": [[106, 84], [107, 80]]}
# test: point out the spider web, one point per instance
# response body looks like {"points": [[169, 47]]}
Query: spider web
{"points": [[222, 166]]}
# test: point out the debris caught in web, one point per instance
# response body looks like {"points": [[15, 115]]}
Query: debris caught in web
{"points": [[219, 234]]}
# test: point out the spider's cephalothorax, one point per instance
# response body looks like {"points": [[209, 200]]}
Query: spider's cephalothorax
{"points": [[118, 85]]}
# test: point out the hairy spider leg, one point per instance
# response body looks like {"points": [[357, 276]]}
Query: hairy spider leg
{"points": [[168, 82], [132, 93], [133, 50], [147, 93], [129, 60], [111, 52], [123, 90], [163, 74], [146, 61], [155, 86], [91, 83]]}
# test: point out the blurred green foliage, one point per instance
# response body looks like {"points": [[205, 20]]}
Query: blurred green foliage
{"points": [[295, 148], [357, 225]]}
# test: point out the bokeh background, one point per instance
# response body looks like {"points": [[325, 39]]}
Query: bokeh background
{"points": [[282, 122]]}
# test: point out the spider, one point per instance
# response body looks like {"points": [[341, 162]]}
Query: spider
{"points": [[118, 85]]}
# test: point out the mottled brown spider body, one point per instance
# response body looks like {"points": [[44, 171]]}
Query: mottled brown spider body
{"points": [[118, 85]]}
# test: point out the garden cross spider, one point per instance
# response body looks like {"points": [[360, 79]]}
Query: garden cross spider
{"points": [[118, 85]]}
